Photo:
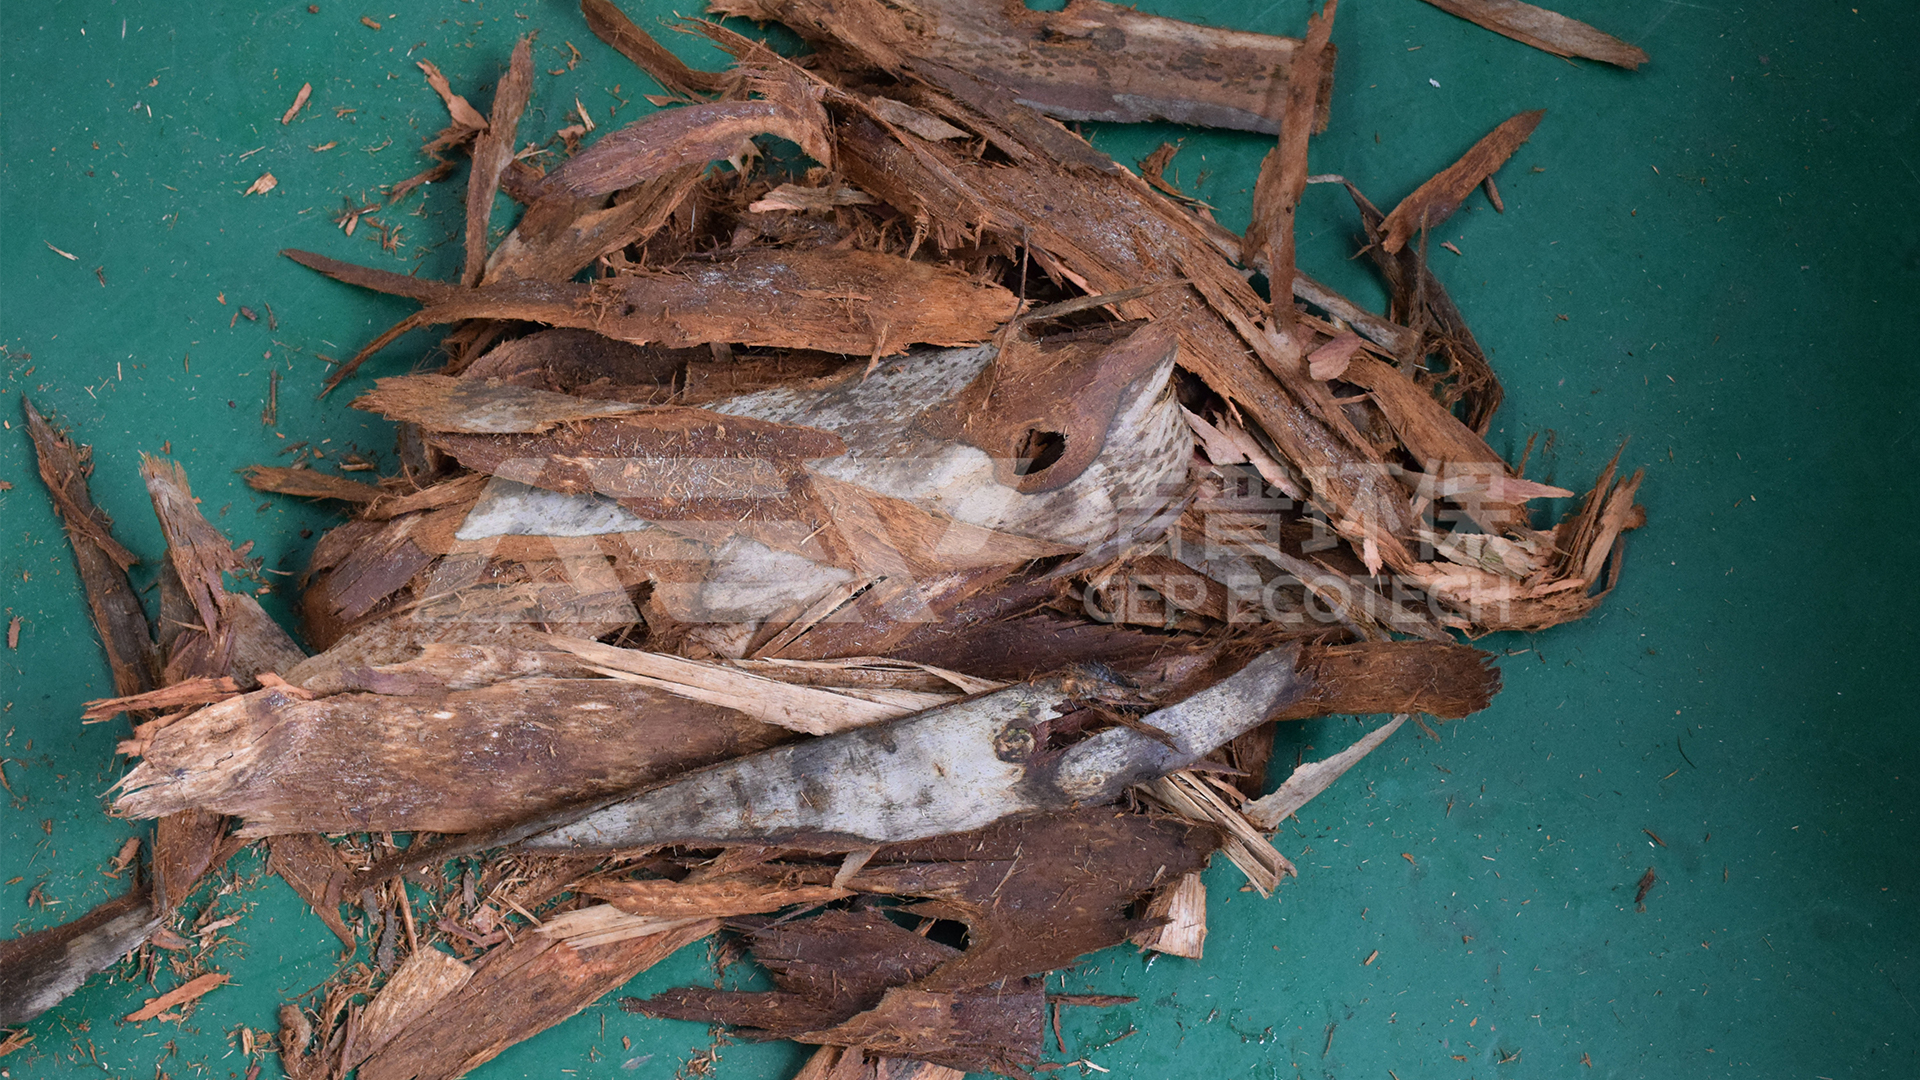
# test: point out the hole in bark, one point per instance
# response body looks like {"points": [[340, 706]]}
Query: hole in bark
{"points": [[1038, 451]]}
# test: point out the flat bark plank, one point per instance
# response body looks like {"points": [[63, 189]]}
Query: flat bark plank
{"points": [[38, 970], [353, 762]]}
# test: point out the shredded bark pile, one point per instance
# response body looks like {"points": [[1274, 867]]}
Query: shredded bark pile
{"points": [[893, 557]]}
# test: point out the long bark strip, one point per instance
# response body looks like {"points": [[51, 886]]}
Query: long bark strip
{"points": [[1435, 201], [612, 26], [854, 302], [1546, 30], [117, 614], [491, 154], [1283, 173], [494, 755]]}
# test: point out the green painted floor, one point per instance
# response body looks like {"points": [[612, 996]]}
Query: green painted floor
{"points": [[1716, 259]]}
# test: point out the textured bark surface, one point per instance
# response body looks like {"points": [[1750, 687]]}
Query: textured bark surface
{"points": [[452, 763]]}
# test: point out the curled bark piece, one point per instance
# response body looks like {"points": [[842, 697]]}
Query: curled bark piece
{"points": [[697, 134], [1546, 30], [1436, 200]]}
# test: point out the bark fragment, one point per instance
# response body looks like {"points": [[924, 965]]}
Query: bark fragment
{"points": [[1543, 29]]}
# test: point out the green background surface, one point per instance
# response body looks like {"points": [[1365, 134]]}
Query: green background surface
{"points": [[1715, 259]]}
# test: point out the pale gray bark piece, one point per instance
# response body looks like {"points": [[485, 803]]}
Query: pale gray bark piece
{"points": [[1314, 777], [945, 770]]}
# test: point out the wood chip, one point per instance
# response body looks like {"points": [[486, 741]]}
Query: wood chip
{"points": [[299, 102], [191, 990]]}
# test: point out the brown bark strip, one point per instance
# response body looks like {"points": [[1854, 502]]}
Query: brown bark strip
{"points": [[516, 993], [1546, 30], [424, 290], [1437, 678], [199, 691], [1092, 61], [199, 556], [492, 152], [742, 894], [309, 484], [442, 403], [1283, 173], [830, 300], [1436, 200], [612, 26], [118, 617], [499, 754], [676, 462], [974, 1030]]}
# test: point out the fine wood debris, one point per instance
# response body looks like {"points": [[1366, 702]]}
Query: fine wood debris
{"points": [[894, 561]]}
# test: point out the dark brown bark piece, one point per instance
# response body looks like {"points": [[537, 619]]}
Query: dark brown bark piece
{"points": [[199, 556], [974, 1030], [495, 755], [827, 969], [424, 290], [516, 993], [118, 616], [309, 484], [310, 865], [1037, 893], [186, 844], [612, 26], [1091, 61], [586, 364], [1436, 200], [1546, 30], [491, 153], [38, 970], [1043, 408], [1437, 678]]}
